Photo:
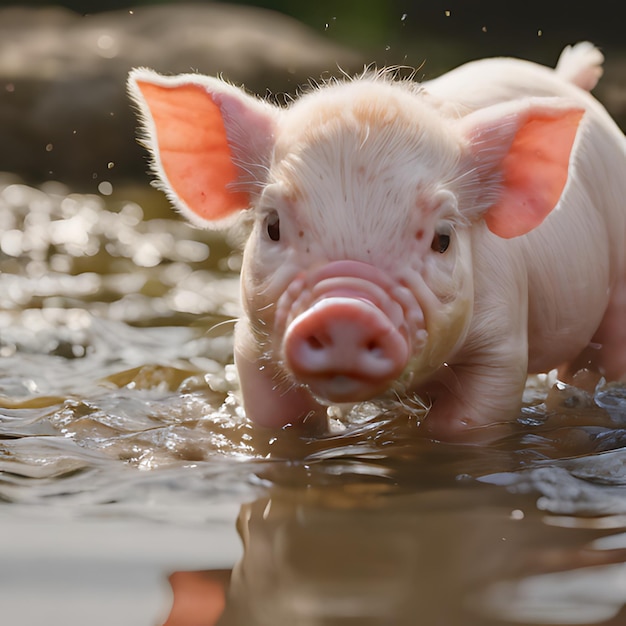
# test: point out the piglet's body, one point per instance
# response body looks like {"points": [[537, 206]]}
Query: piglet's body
{"points": [[442, 239]]}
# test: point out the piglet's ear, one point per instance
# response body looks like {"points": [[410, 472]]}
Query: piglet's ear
{"points": [[210, 142], [521, 154]]}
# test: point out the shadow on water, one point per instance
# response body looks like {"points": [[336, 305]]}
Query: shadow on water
{"points": [[125, 460]]}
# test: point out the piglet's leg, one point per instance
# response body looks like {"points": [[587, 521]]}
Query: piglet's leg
{"points": [[610, 337], [268, 401], [606, 353], [467, 398]]}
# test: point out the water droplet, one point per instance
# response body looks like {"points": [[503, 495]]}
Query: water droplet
{"points": [[107, 45], [105, 188], [49, 147], [105, 42]]}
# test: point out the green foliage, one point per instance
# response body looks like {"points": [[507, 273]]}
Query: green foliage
{"points": [[351, 21]]}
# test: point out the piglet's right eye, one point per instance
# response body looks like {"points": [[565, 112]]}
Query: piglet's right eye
{"points": [[441, 242], [272, 226]]}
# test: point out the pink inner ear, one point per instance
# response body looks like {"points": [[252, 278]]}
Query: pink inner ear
{"points": [[193, 149], [535, 172]]}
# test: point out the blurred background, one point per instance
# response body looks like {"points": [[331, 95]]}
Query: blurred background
{"points": [[64, 114], [372, 21]]}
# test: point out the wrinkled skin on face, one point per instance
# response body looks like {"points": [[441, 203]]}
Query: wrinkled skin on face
{"points": [[432, 240], [392, 272]]}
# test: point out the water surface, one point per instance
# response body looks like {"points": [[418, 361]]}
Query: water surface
{"points": [[131, 482]]}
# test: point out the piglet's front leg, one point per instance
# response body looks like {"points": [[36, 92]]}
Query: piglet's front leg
{"points": [[470, 397], [268, 401]]}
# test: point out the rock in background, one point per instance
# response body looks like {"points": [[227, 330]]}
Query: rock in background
{"points": [[64, 112]]}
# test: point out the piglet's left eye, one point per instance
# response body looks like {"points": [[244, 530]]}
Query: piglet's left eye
{"points": [[441, 242], [272, 225]]}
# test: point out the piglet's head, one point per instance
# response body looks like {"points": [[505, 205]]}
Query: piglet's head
{"points": [[358, 271]]}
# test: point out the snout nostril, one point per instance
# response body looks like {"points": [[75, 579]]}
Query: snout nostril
{"points": [[314, 343], [375, 349]]}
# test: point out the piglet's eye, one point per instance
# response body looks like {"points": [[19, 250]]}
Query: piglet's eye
{"points": [[272, 225], [441, 242]]}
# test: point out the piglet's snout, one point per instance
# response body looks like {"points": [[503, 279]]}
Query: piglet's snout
{"points": [[346, 349]]}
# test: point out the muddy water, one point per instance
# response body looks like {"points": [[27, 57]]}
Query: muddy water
{"points": [[134, 491]]}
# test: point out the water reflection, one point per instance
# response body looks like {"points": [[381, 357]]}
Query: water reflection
{"points": [[199, 598], [447, 557]]}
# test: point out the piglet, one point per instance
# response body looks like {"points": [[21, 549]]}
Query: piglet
{"points": [[439, 240]]}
